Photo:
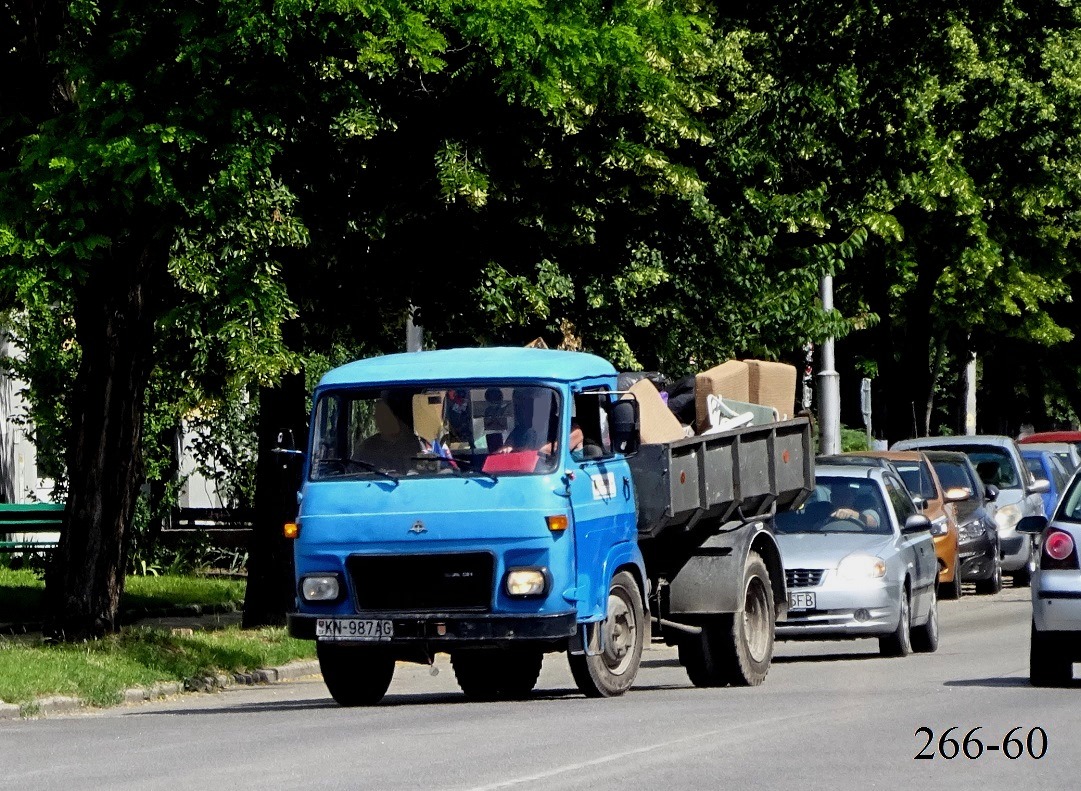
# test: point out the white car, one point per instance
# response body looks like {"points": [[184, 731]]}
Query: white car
{"points": [[1056, 592]]}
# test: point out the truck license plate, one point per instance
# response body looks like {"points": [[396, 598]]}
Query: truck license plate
{"points": [[353, 629], [801, 600]]}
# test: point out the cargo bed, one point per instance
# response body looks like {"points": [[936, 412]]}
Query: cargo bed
{"points": [[736, 475]]}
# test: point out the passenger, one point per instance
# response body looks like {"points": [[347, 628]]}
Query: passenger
{"points": [[394, 445]]}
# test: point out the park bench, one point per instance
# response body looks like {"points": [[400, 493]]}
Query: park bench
{"points": [[30, 527]]}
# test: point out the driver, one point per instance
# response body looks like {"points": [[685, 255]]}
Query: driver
{"points": [[850, 503]]}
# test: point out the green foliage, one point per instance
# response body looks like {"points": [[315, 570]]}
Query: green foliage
{"points": [[98, 672], [853, 439]]}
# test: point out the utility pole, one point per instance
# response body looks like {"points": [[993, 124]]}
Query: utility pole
{"points": [[970, 396], [414, 333], [829, 385]]}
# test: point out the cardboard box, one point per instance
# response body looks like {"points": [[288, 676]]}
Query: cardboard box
{"points": [[658, 422], [730, 379], [774, 385]]}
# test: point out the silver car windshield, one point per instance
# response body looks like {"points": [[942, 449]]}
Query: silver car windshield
{"points": [[839, 505], [435, 430]]}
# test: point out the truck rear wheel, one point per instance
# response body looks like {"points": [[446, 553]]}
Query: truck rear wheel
{"points": [[737, 648], [611, 672], [495, 673], [355, 676]]}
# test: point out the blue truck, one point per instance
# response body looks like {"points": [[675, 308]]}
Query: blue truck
{"points": [[497, 504]]}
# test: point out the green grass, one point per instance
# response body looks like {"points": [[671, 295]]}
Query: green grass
{"points": [[99, 671], [22, 593]]}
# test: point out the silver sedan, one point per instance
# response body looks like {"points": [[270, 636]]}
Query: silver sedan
{"points": [[860, 562]]}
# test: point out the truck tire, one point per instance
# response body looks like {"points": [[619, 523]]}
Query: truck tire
{"points": [[496, 673], [611, 672], [355, 676], [737, 648]]}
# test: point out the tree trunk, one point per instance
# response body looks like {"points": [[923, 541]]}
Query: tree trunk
{"points": [[270, 590], [114, 315]]}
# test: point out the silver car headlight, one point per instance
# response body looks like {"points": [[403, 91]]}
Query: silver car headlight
{"points": [[321, 587], [859, 566], [1008, 516]]}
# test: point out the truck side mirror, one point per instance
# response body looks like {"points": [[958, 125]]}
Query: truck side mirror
{"points": [[623, 426], [992, 492]]}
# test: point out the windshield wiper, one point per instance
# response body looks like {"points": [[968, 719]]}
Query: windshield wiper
{"points": [[367, 466], [454, 465]]}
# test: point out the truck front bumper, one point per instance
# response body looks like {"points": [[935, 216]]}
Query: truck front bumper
{"points": [[453, 627]]}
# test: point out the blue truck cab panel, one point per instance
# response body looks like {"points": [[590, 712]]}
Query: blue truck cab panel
{"points": [[459, 496]]}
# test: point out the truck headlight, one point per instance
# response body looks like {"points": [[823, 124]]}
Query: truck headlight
{"points": [[1008, 516], [862, 567], [322, 587], [526, 582]]}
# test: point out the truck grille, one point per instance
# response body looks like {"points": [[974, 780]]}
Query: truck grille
{"points": [[803, 578], [457, 581]]}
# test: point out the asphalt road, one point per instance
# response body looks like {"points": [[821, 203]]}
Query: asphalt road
{"points": [[830, 716]]}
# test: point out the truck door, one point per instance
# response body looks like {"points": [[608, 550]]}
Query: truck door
{"points": [[602, 500]]}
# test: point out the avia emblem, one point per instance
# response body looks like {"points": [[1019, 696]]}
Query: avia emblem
{"points": [[418, 528]]}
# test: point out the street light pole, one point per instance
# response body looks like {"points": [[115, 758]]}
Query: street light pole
{"points": [[829, 385]]}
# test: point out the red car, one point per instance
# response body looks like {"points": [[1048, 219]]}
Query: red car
{"points": [[1073, 437]]}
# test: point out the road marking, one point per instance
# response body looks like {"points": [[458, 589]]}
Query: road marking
{"points": [[742, 729]]}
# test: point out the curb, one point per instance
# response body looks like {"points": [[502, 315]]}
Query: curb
{"points": [[59, 704]]}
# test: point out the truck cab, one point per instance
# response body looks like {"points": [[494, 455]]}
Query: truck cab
{"points": [[472, 501]]}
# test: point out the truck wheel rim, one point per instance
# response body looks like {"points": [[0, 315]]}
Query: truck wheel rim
{"points": [[622, 631], [756, 620]]}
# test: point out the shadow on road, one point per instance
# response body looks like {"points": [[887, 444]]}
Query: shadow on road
{"points": [[825, 658], [1012, 681]]}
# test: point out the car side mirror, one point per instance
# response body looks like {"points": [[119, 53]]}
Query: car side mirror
{"points": [[285, 444], [1034, 524], [957, 494], [992, 492], [624, 426], [1040, 486], [915, 524]]}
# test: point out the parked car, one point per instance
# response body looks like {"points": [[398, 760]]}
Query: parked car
{"points": [[1068, 454], [1045, 464], [998, 462], [977, 533], [1072, 437], [921, 480], [860, 562]]}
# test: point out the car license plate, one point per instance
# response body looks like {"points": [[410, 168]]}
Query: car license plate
{"points": [[353, 629], [801, 600]]}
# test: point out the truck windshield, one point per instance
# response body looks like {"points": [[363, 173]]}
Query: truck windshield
{"points": [[435, 430]]}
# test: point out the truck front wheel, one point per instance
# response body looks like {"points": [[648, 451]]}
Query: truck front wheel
{"points": [[355, 676], [736, 648], [612, 669]]}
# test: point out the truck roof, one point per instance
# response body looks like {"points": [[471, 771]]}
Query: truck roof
{"points": [[501, 363]]}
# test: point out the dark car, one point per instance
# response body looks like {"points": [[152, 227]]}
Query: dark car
{"points": [[978, 543]]}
